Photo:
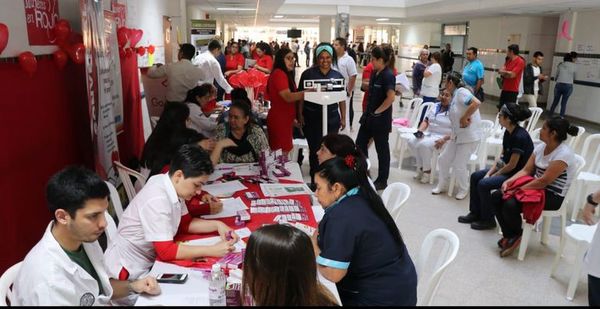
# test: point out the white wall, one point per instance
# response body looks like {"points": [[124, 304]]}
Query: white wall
{"points": [[12, 13], [536, 33], [411, 41], [584, 102]]}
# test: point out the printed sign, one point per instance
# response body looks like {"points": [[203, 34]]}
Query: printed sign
{"points": [[120, 11], [41, 16]]}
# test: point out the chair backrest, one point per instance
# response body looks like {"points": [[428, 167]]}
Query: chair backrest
{"points": [[394, 197], [415, 103], [487, 130], [6, 281], [535, 134], [414, 120], [111, 229], [591, 151], [124, 173], [573, 141], [115, 199], [536, 112], [446, 256], [580, 163]]}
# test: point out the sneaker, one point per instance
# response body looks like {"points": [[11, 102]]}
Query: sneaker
{"points": [[380, 185], [510, 247], [461, 195], [439, 189], [483, 224], [425, 178], [469, 218], [418, 174]]}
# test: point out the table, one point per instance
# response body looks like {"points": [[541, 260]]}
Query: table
{"points": [[194, 292]]}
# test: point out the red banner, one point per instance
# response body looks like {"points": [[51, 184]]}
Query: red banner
{"points": [[41, 16], [120, 11]]}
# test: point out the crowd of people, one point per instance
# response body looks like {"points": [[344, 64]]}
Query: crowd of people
{"points": [[357, 244]]}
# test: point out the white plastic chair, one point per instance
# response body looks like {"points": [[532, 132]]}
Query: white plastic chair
{"points": [[590, 175], [6, 281], [536, 112], [573, 141], [124, 173], [547, 217], [582, 235], [298, 143], [477, 158], [115, 200], [410, 115], [394, 197], [447, 255], [405, 134], [111, 229]]}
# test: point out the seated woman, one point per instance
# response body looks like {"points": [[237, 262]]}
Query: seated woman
{"points": [[264, 58], [197, 99], [438, 126], [516, 150], [552, 165], [335, 145], [281, 257], [358, 244], [248, 139]]}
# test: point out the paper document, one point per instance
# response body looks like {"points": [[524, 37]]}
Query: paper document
{"points": [[230, 208], [249, 64], [214, 240], [224, 189], [283, 189], [403, 80]]}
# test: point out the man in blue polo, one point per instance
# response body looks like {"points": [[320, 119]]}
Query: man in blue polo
{"points": [[473, 73]]}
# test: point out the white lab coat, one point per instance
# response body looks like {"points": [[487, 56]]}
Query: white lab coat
{"points": [[48, 277]]}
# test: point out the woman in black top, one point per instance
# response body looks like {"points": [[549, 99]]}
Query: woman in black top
{"points": [[516, 150]]}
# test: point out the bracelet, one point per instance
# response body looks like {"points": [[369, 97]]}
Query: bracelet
{"points": [[590, 200]]}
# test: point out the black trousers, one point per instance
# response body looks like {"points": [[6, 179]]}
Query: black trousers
{"points": [[594, 291], [296, 60], [313, 131], [351, 108], [508, 212], [377, 128], [507, 97]]}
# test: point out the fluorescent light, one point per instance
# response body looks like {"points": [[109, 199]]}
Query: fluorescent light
{"points": [[278, 16], [393, 24], [236, 9], [382, 19]]}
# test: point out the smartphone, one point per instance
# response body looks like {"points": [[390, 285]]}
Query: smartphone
{"points": [[172, 278], [418, 134]]}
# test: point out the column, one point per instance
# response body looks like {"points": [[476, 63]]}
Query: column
{"points": [[342, 21], [324, 29]]}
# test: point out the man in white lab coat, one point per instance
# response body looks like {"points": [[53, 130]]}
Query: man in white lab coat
{"points": [[210, 67], [66, 268]]}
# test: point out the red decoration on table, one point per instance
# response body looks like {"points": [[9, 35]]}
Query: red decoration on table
{"points": [[77, 53], [122, 36], [62, 30], [151, 49], [28, 62], [141, 50], [60, 59], [3, 37]]}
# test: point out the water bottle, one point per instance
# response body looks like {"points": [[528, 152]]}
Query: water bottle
{"points": [[216, 287]]}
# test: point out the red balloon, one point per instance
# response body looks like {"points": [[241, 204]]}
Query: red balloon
{"points": [[60, 59], [77, 53], [62, 30], [3, 37], [151, 49], [28, 62], [141, 50], [135, 35], [122, 36]]}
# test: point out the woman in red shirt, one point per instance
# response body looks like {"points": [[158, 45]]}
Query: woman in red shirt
{"points": [[281, 89], [234, 62], [264, 58]]}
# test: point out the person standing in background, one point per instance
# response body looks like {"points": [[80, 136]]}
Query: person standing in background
{"points": [[307, 53], [346, 66], [417, 73], [565, 74], [295, 47], [532, 77], [223, 64], [447, 59], [511, 73], [473, 73]]}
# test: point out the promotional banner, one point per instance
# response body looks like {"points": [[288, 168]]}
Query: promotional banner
{"points": [[41, 16], [112, 53], [202, 31], [120, 11], [155, 91], [99, 87]]}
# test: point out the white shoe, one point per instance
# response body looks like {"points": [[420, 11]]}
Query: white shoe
{"points": [[462, 194], [419, 174], [439, 189], [425, 177]]}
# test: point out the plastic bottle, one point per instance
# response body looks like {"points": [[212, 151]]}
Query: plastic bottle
{"points": [[216, 287]]}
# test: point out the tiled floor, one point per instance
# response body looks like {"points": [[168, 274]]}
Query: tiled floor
{"points": [[478, 276]]}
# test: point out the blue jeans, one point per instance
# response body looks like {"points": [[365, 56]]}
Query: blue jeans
{"points": [[561, 90], [480, 198]]}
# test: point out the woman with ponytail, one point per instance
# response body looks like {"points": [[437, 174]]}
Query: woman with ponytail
{"points": [[552, 165], [358, 245]]}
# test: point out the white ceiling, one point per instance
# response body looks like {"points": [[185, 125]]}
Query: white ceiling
{"points": [[305, 13]]}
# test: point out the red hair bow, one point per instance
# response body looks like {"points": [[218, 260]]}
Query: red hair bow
{"points": [[349, 160]]}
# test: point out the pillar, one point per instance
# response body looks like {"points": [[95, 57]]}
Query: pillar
{"points": [[342, 21], [324, 28]]}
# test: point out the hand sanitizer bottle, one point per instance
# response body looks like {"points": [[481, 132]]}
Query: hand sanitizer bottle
{"points": [[216, 287]]}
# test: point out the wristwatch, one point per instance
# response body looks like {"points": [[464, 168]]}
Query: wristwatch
{"points": [[590, 200]]}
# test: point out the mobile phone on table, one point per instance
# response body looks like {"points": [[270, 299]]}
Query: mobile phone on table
{"points": [[418, 134], [172, 278]]}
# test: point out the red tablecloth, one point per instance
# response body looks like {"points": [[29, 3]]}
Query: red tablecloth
{"points": [[256, 221]]}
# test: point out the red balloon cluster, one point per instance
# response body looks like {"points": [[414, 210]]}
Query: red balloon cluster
{"points": [[28, 62], [252, 78], [128, 39]]}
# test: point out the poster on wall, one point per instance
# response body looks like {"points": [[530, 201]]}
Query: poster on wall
{"points": [[155, 91], [120, 11], [41, 16], [202, 31], [99, 89], [114, 84]]}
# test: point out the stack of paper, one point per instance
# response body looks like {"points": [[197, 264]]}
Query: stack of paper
{"points": [[230, 209]]}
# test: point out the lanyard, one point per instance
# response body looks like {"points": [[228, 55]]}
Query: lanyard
{"points": [[351, 192]]}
